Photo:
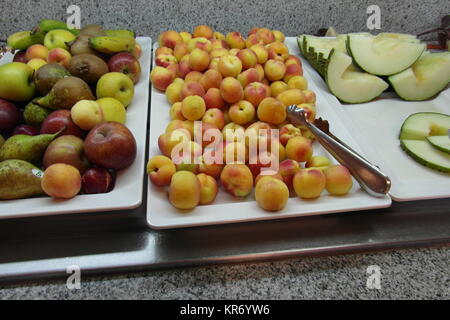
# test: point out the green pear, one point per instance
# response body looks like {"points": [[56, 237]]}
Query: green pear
{"points": [[19, 179], [34, 114], [27, 148], [2, 140], [17, 82]]}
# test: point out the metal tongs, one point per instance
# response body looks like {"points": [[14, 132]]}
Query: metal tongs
{"points": [[371, 179]]}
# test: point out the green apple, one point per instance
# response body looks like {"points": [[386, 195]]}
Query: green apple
{"points": [[17, 82], [58, 39], [113, 110], [116, 85], [87, 114]]}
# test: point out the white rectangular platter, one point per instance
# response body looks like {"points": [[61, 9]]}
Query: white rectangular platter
{"points": [[128, 190], [226, 209], [376, 125]]}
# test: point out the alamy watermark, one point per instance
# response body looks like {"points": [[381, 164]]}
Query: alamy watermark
{"points": [[374, 279], [74, 280], [374, 20]]}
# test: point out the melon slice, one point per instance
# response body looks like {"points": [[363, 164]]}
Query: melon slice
{"points": [[383, 56], [442, 143], [348, 83], [424, 153], [421, 125], [426, 78]]}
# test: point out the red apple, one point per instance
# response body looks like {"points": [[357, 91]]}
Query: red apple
{"points": [[126, 63], [97, 180], [111, 145], [59, 119], [20, 57], [25, 130], [10, 115], [68, 150]]}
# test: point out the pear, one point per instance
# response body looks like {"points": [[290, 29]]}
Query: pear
{"points": [[2, 140], [34, 114], [48, 75], [66, 93], [27, 148], [19, 179]]}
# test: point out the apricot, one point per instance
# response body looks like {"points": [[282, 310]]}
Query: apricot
{"points": [[170, 39], [292, 70], [160, 170], [230, 66], [61, 181], [309, 183], [173, 91], [279, 36], [231, 90], [161, 78], [262, 54], [256, 92], [274, 70], [213, 99], [288, 169], [215, 117], [191, 89], [271, 194], [193, 108], [299, 149], [185, 190], [319, 162], [235, 40], [186, 36], [292, 97], [272, 111], [339, 181], [199, 60], [193, 76], [266, 35], [175, 112], [278, 87], [298, 82], [242, 112], [180, 51], [237, 179], [203, 32], [248, 58], [211, 79], [248, 76]]}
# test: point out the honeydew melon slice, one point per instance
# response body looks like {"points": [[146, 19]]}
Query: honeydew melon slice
{"points": [[349, 84], [424, 153], [399, 36], [381, 55], [421, 125], [441, 143], [426, 78]]}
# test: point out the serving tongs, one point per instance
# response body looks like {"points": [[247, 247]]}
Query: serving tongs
{"points": [[370, 178]]}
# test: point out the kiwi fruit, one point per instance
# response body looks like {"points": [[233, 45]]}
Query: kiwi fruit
{"points": [[81, 46], [88, 67], [93, 30]]}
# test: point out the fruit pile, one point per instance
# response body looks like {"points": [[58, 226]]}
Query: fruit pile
{"points": [[353, 65], [63, 107], [236, 90]]}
